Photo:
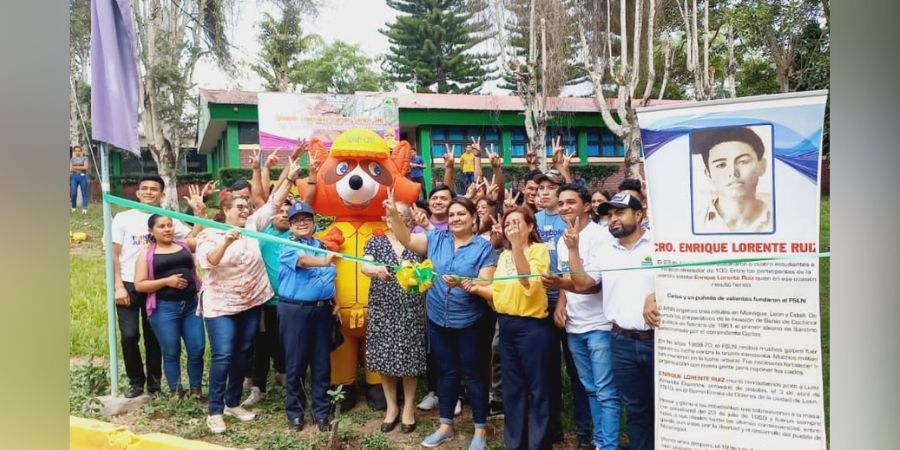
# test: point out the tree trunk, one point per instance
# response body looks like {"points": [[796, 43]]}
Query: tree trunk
{"points": [[631, 138]]}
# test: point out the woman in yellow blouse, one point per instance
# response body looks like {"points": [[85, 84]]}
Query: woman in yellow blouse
{"points": [[526, 334]]}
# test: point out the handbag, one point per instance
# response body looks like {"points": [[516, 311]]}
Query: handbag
{"points": [[337, 338]]}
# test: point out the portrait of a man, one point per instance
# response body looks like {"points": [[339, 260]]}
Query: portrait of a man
{"points": [[734, 162]]}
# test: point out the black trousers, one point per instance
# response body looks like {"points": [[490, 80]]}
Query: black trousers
{"points": [[267, 347], [132, 319]]}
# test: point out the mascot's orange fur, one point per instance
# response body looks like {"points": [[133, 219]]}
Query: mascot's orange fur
{"points": [[351, 185]]}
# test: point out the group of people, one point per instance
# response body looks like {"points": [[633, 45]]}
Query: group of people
{"points": [[519, 291]]}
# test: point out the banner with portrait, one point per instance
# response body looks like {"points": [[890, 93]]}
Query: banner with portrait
{"points": [[738, 351], [284, 117]]}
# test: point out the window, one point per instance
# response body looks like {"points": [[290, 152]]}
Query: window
{"points": [[520, 141], [190, 161], [248, 133], [459, 137], [603, 143]]}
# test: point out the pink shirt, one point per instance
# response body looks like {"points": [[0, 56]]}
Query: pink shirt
{"points": [[238, 282]]}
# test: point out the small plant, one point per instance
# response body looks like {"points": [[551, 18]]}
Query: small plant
{"points": [[86, 382], [337, 396], [376, 441]]}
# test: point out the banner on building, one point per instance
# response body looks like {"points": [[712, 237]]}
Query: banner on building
{"points": [[285, 118], [738, 352]]}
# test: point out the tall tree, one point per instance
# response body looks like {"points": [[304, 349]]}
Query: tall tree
{"points": [[433, 44], [172, 36], [541, 70], [608, 62], [283, 45], [776, 27], [79, 76], [340, 68]]}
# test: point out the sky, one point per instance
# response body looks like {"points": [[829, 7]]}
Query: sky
{"points": [[353, 21]]}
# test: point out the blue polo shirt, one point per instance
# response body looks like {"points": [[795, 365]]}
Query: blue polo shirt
{"points": [[416, 172], [456, 308], [271, 254], [305, 284], [551, 227]]}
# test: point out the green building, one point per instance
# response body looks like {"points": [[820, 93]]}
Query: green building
{"points": [[228, 128]]}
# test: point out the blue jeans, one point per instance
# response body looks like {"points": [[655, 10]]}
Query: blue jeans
{"points": [[526, 353], [581, 411], [465, 352], [230, 340], [633, 366], [172, 322], [594, 360], [79, 180]]}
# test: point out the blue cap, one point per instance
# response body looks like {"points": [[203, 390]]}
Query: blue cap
{"points": [[300, 208]]}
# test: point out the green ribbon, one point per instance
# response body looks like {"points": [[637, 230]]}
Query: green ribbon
{"points": [[244, 231], [421, 274]]}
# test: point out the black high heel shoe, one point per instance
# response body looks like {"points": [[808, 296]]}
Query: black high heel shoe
{"points": [[406, 429], [387, 427]]}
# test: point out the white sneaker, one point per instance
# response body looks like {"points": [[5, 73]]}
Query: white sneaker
{"points": [[255, 396], [458, 409], [83, 211], [240, 413], [216, 423], [429, 402]]}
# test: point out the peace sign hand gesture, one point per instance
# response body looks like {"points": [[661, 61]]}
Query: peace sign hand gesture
{"points": [[570, 237], [494, 158], [476, 145], [448, 156], [254, 159], [389, 205]]}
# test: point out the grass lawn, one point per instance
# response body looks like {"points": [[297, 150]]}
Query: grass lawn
{"points": [[89, 372]]}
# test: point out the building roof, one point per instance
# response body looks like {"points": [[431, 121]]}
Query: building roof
{"points": [[444, 101]]}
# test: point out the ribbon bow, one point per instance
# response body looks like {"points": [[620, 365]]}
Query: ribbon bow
{"points": [[416, 278]]}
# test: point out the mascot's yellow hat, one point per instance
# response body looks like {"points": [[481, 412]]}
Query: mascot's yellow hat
{"points": [[360, 143]]}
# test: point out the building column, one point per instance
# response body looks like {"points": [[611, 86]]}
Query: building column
{"points": [[425, 149], [506, 145], [582, 147], [234, 153]]}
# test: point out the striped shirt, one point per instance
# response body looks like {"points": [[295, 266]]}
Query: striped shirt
{"points": [[239, 282]]}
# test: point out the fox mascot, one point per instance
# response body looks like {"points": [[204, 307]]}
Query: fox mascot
{"points": [[351, 184]]}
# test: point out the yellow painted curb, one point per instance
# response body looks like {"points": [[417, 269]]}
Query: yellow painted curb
{"points": [[89, 434]]}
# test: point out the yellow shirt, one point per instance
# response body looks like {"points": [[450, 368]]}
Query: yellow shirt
{"points": [[513, 299], [468, 162]]}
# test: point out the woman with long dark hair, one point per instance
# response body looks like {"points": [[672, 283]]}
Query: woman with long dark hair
{"points": [[167, 274], [459, 323]]}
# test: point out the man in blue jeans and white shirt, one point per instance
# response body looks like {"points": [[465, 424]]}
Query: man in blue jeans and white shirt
{"points": [[580, 309], [625, 294]]}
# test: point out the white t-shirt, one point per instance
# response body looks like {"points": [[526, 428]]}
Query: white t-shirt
{"points": [[624, 292], [585, 311], [130, 230]]}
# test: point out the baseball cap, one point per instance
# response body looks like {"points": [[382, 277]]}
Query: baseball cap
{"points": [[300, 208], [552, 176], [620, 201]]}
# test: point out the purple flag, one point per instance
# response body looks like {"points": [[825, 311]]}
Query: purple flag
{"points": [[114, 75]]}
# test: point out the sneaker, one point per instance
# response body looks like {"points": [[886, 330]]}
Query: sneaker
{"points": [[495, 410], [255, 396], [83, 211], [429, 402], [478, 442], [585, 443], [458, 409], [134, 391], [73, 210], [216, 423], [240, 413], [436, 438]]}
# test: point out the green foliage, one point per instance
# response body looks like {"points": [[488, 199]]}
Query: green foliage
{"points": [[340, 68], [283, 43], [377, 441], [86, 382], [180, 409], [431, 43]]}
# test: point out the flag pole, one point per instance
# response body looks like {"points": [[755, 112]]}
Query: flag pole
{"points": [[110, 276]]}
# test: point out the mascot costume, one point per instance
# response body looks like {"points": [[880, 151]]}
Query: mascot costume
{"points": [[351, 184]]}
